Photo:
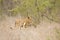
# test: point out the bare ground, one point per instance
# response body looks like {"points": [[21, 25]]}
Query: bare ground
{"points": [[44, 31]]}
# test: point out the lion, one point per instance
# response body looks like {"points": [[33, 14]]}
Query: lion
{"points": [[23, 22]]}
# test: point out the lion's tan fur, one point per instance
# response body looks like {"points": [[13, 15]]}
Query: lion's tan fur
{"points": [[23, 22]]}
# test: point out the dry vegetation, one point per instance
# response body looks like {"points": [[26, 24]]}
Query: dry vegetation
{"points": [[45, 16]]}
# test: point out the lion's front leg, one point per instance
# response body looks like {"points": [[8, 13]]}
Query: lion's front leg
{"points": [[24, 25]]}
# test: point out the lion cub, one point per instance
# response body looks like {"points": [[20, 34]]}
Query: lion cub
{"points": [[23, 22]]}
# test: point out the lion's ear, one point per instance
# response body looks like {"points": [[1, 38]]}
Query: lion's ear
{"points": [[28, 17]]}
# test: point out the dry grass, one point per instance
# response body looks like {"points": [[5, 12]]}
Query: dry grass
{"points": [[43, 31]]}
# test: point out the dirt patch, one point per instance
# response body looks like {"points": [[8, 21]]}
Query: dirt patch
{"points": [[43, 31]]}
